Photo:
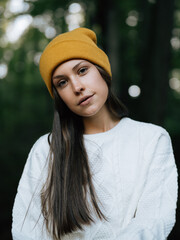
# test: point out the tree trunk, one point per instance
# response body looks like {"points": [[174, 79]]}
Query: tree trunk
{"points": [[107, 18], [158, 24]]}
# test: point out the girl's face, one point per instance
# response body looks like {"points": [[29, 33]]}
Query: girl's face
{"points": [[81, 87]]}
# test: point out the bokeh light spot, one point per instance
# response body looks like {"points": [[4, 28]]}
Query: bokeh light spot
{"points": [[17, 27], [175, 43], [37, 58], [74, 8], [132, 19], [50, 32], [174, 83], [3, 70], [17, 6], [134, 91], [75, 16]]}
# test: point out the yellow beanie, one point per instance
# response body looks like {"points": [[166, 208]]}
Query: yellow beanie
{"points": [[79, 43]]}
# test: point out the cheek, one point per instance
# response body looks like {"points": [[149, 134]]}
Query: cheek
{"points": [[103, 91], [65, 97], [99, 84]]}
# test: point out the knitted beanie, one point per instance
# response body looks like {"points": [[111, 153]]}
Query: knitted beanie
{"points": [[80, 43]]}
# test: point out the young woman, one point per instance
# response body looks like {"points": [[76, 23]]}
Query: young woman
{"points": [[98, 174]]}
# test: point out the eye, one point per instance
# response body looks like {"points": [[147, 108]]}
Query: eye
{"points": [[82, 70], [61, 83]]}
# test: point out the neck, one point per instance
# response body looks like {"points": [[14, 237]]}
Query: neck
{"points": [[101, 122]]}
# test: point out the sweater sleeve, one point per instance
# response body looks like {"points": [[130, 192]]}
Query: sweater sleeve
{"points": [[27, 218], [155, 214]]}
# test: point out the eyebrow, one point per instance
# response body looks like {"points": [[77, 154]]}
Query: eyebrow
{"points": [[74, 68]]}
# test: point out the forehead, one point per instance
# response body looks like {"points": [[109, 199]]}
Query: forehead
{"points": [[70, 64]]}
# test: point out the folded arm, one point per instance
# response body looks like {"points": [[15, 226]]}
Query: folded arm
{"points": [[155, 213]]}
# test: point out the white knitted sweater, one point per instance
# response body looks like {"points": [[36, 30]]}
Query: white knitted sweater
{"points": [[135, 178]]}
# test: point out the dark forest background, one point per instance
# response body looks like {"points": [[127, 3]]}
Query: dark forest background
{"points": [[142, 40]]}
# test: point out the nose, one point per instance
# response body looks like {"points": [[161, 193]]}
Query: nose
{"points": [[77, 86]]}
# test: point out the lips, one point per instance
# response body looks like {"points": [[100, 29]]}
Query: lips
{"points": [[83, 99]]}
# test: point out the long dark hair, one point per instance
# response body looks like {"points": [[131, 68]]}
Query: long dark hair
{"points": [[64, 196]]}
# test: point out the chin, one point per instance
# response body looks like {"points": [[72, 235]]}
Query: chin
{"points": [[89, 114], [91, 111]]}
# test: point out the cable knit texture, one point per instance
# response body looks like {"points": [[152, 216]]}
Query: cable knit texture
{"points": [[135, 178]]}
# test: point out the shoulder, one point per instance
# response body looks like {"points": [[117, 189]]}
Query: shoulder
{"points": [[38, 156], [152, 142], [41, 145], [146, 133], [148, 128]]}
